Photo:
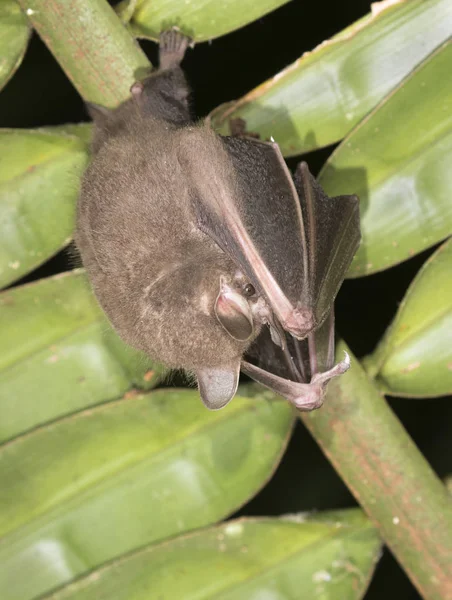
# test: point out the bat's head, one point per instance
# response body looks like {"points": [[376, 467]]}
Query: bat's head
{"points": [[213, 314], [199, 314]]}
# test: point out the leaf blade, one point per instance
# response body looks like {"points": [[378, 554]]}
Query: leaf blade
{"points": [[60, 355], [39, 179], [247, 558], [14, 35], [198, 18], [318, 99], [127, 473], [397, 162], [414, 358]]}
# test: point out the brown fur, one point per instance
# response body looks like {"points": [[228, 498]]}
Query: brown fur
{"points": [[148, 262]]}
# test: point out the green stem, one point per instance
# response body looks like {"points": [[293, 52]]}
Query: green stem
{"points": [[389, 477], [91, 44]]}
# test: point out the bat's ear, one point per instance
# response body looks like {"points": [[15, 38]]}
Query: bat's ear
{"points": [[234, 313], [218, 386]]}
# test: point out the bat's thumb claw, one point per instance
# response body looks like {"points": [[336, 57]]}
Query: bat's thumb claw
{"points": [[339, 369], [346, 362]]}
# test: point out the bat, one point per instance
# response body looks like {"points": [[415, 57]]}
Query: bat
{"points": [[204, 252]]}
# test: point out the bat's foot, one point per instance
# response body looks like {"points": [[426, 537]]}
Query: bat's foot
{"points": [[313, 393], [304, 396], [342, 367], [172, 47]]}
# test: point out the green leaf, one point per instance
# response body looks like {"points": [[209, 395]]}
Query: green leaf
{"points": [[448, 484], [318, 99], [59, 354], [200, 19], [14, 36], [290, 558], [125, 10], [80, 491], [415, 356], [39, 180], [398, 162]]}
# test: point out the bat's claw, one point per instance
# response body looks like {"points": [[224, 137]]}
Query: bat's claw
{"points": [[339, 369], [172, 47]]}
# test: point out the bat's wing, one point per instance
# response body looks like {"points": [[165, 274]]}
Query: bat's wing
{"points": [[267, 204], [332, 236], [290, 245], [297, 360], [245, 200], [301, 370]]}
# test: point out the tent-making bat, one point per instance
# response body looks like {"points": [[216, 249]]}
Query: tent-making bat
{"points": [[204, 252]]}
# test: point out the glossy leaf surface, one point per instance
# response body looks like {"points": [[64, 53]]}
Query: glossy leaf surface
{"points": [[318, 99], [313, 558], [80, 491], [39, 180], [14, 35], [60, 355], [200, 19], [398, 162], [415, 356]]}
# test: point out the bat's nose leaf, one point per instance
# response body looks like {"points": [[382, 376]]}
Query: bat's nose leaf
{"points": [[218, 386], [234, 314]]}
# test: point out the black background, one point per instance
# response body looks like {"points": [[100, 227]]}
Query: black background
{"points": [[39, 94]]}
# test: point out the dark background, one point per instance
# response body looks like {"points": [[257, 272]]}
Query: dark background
{"points": [[39, 94]]}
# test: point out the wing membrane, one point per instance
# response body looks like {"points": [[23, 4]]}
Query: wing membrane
{"points": [[332, 237]]}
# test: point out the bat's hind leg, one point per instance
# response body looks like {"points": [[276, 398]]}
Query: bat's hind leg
{"points": [[304, 396], [164, 94], [339, 369], [314, 392], [172, 47], [311, 395]]}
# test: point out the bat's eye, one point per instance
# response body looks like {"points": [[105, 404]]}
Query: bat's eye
{"points": [[249, 290]]}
